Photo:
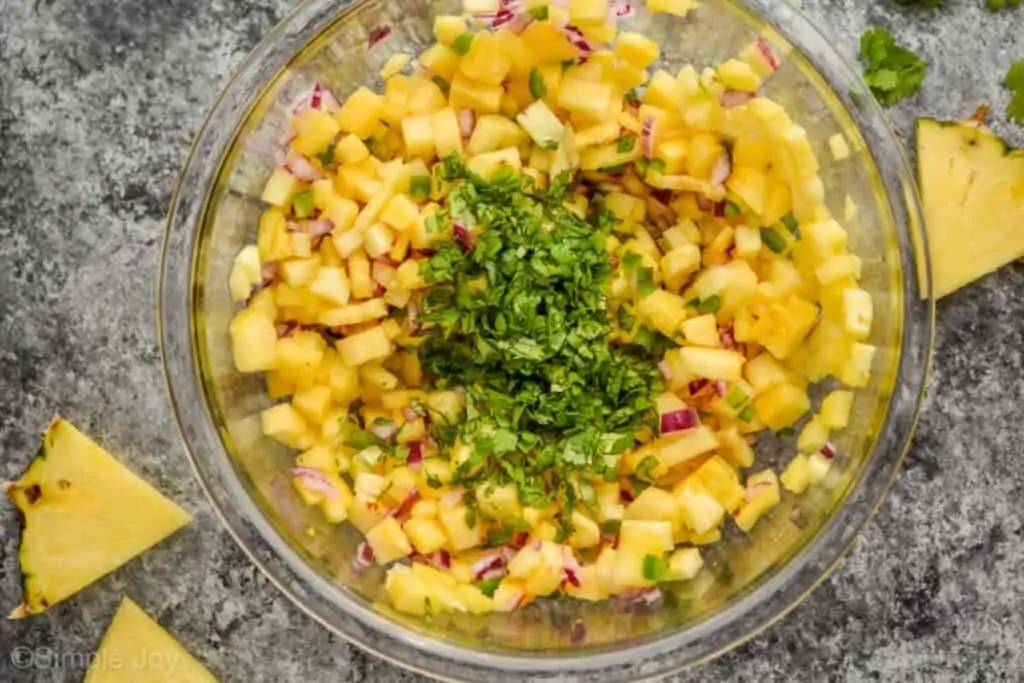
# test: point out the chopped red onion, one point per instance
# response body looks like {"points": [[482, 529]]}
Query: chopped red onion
{"points": [[285, 329], [318, 228], [378, 34], [647, 137], [720, 387], [679, 420], [768, 53], [467, 122], [627, 496], [464, 237], [363, 559], [315, 480], [509, 551], [753, 490], [697, 385], [728, 338], [441, 559], [577, 632], [705, 204], [642, 598], [402, 510], [317, 97], [828, 451], [384, 431], [571, 567], [488, 564], [735, 98], [576, 37], [300, 167], [665, 369], [409, 414], [269, 271], [722, 170], [618, 10], [719, 209], [415, 459], [519, 539]]}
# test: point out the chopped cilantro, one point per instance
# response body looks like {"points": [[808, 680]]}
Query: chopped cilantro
{"points": [[462, 44], [646, 466], [710, 304], [538, 88], [617, 169], [891, 71], [626, 144], [655, 568], [773, 240], [786, 433], [326, 157], [539, 13], [420, 186], [521, 323], [1014, 81], [736, 398], [645, 281], [361, 439], [303, 204], [488, 587], [732, 209], [747, 414], [995, 5]]}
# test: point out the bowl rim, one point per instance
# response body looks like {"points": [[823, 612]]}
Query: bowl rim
{"points": [[402, 646]]}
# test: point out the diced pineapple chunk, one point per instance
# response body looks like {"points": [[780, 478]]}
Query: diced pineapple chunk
{"points": [[784, 325], [839, 147], [313, 402], [796, 478], [331, 285], [720, 479], [677, 448], [813, 436], [781, 406], [738, 75], [588, 11], [407, 592], [702, 331], [400, 213], [655, 504], [713, 363], [701, 512], [637, 49], [835, 409], [585, 97], [542, 125], [285, 424], [858, 313], [680, 8], [365, 347], [684, 564], [418, 135], [762, 495], [838, 268], [585, 531], [361, 113], [388, 541], [253, 340], [280, 187], [461, 536], [486, 165], [448, 28], [856, 371], [486, 62], [735, 448], [645, 537], [466, 93]]}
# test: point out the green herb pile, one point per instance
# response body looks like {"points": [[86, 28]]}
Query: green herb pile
{"points": [[891, 71], [519, 320]]}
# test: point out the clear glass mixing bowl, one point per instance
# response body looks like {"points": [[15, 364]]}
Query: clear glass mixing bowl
{"points": [[750, 581]]}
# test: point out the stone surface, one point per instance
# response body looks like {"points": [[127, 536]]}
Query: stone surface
{"points": [[98, 102]]}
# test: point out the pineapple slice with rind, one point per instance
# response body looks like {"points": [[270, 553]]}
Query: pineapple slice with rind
{"points": [[972, 184], [84, 514], [136, 649]]}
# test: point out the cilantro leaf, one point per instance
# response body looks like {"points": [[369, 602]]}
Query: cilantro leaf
{"points": [[891, 71], [1014, 81]]}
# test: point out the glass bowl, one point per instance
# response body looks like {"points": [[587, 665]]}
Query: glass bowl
{"points": [[749, 581]]}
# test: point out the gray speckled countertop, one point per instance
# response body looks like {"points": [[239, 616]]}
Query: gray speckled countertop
{"points": [[98, 102]]}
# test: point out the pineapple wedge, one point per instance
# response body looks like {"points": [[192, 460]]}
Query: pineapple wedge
{"points": [[84, 514], [972, 184], [137, 650]]}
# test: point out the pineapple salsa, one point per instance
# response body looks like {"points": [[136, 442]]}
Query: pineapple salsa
{"points": [[529, 309]]}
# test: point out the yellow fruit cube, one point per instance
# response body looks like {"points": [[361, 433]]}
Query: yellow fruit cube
{"points": [[645, 537], [858, 313], [299, 272], [679, 264], [407, 592], [280, 187], [418, 136], [702, 331], [365, 347], [486, 165], [655, 504], [253, 341], [547, 44], [750, 185], [827, 238], [400, 213], [680, 8], [461, 536], [510, 595], [701, 512], [378, 240], [684, 564], [395, 64], [664, 311], [663, 91], [498, 502], [637, 49], [365, 512], [838, 146], [354, 314], [796, 477], [683, 446], [493, 133], [331, 285], [426, 534], [738, 75], [585, 97], [447, 134], [440, 60], [586, 533], [763, 372], [285, 424], [720, 479], [735, 448], [448, 28], [466, 93], [713, 363], [856, 371], [784, 325], [316, 129], [813, 436], [838, 268], [361, 113], [313, 402], [835, 409], [781, 406], [762, 495], [486, 62], [588, 11]]}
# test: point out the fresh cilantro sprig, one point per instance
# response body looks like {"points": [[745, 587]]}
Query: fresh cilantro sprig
{"points": [[1014, 81], [891, 71]]}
